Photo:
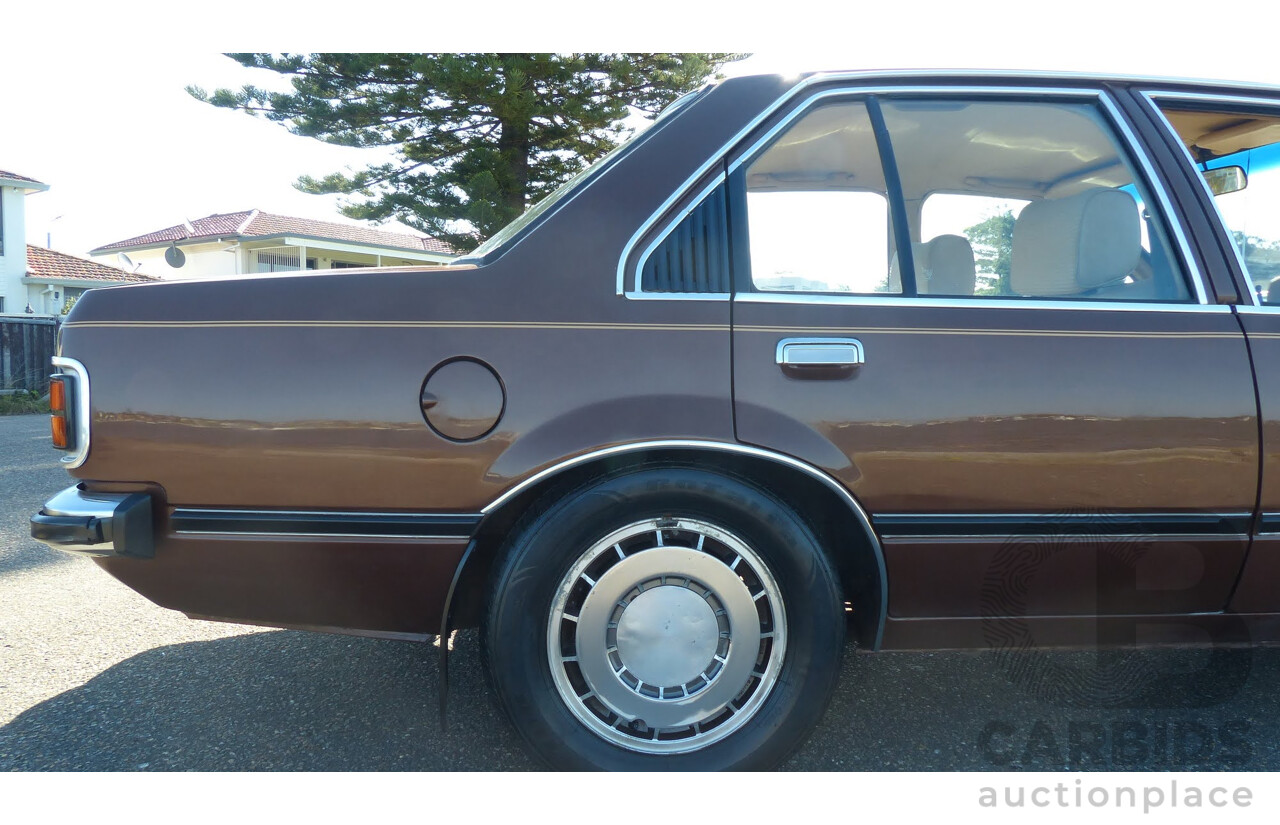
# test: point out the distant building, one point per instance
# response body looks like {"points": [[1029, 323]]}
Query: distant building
{"points": [[244, 243], [55, 278], [13, 245], [36, 281]]}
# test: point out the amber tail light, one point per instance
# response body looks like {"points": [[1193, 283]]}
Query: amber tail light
{"points": [[60, 389]]}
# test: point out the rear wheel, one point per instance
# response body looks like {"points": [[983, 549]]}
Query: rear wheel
{"points": [[666, 618]]}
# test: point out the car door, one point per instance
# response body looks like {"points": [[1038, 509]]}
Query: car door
{"points": [[974, 308], [1231, 145]]}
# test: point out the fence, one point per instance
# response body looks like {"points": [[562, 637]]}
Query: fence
{"points": [[26, 349]]}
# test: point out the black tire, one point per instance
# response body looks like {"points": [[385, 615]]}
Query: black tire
{"points": [[667, 509]]}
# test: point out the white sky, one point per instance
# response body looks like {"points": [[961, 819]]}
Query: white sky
{"points": [[92, 100]]}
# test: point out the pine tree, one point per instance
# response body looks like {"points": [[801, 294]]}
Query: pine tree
{"points": [[478, 137]]}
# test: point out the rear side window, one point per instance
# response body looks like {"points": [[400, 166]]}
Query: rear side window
{"points": [[1237, 151], [994, 197]]}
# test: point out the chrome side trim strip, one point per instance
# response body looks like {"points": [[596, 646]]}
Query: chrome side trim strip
{"points": [[1064, 525], [970, 303], [269, 534], [82, 410], [322, 524], [740, 449], [1151, 98]]}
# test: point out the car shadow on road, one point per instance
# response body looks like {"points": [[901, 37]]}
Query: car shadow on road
{"points": [[275, 700], [22, 558], [282, 700]]}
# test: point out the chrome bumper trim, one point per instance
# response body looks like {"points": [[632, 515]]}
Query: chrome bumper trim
{"points": [[97, 524]]}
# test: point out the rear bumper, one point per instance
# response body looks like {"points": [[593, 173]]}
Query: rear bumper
{"points": [[97, 524]]}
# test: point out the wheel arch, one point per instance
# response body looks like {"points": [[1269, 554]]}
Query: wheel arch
{"points": [[841, 524]]}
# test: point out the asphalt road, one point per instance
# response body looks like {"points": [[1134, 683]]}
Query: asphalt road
{"points": [[94, 677]]}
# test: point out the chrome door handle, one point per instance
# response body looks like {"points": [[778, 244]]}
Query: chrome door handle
{"points": [[844, 353]]}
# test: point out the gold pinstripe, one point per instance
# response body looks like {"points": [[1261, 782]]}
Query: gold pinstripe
{"points": [[391, 325], [1036, 333], [542, 325]]}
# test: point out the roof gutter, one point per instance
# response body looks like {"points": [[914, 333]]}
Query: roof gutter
{"points": [[31, 185]]}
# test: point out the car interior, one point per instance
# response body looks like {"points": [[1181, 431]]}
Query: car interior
{"points": [[1041, 202]]}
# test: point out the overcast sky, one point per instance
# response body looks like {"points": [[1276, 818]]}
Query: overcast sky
{"points": [[93, 104]]}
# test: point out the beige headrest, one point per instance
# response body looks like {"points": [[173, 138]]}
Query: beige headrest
{"points": [[1070, 245], [944, 266]]}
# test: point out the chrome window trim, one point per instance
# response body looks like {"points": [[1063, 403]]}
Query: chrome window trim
{"points": [[1015, 74], [971, 303], [741, 449], [1205, 97], [1172, 220], [677, 296], [1126, 138], [82, 411]]}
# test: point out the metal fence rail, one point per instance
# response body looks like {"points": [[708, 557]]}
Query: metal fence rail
{"points": [[26, 349]]}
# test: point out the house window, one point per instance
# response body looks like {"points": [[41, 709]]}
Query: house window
{"points": [[1, 305], [347, 265], [279, 259], [1, 221]]}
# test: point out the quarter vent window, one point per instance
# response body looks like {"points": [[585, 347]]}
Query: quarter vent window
{"points": [[694, 257]]}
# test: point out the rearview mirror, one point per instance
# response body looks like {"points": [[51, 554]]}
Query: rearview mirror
{"points": [[1226, 180]]}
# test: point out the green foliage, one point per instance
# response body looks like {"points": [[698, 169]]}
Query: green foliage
{"points": [[479, 137], [992, 242], [23, 402]]}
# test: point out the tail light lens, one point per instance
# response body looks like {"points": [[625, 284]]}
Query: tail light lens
{"points": [[60, 390]]}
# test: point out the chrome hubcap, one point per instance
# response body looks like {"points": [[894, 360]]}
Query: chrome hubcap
{"points": [[666, 635]]}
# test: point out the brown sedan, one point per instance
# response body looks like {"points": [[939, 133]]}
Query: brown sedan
{"points": [[934, 360]]}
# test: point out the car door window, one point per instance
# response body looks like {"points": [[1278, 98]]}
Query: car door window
{"points": [[1003, 198], [817, 211]]}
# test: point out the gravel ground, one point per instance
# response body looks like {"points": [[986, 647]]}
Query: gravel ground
{"points": [[95, 677]]}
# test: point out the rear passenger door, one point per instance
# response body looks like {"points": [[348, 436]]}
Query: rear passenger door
{"points": [[1232, 146], [974, 308]]}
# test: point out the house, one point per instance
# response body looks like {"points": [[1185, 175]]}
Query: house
{"points": [[13, 245], [241, 243], [37, 281], [54, 280]]}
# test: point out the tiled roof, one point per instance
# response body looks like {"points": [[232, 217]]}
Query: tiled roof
{"points": [[45, 263], [15, 176], [253, 223]]}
